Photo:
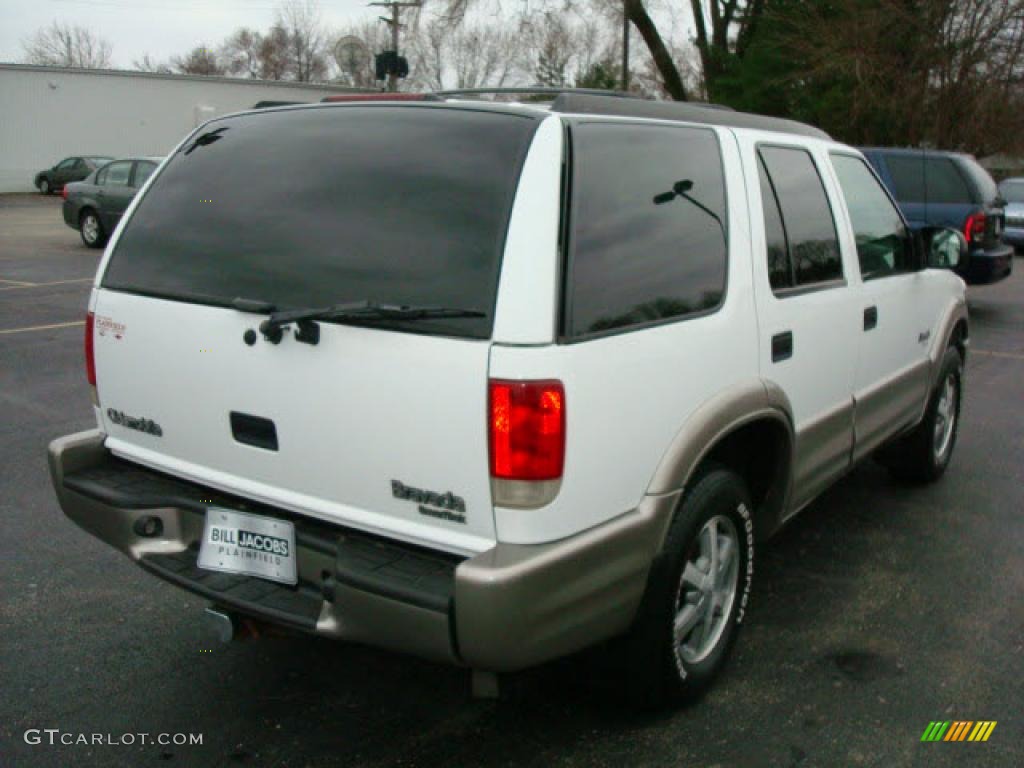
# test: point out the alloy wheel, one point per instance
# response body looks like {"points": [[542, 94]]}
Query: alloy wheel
{"points": [[707, 590]]}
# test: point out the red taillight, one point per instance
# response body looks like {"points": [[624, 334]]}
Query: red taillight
{"points": [[974, 227], [64, 192], [527, 429], [90, 357]]}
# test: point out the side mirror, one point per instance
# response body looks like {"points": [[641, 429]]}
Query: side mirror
{"points": [[945, 248]]}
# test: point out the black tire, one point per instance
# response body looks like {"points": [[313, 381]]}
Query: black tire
{"points": [[658, 669], [91, 229], [921, 457], [44, 187]]}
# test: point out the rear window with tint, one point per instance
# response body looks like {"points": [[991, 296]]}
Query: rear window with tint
{"points": [[313, 207], [648, 226], [981, 178], [922, 178], [812, 246]]}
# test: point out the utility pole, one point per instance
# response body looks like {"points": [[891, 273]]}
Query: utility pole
{"points": [[625, 45], [395, 25]]}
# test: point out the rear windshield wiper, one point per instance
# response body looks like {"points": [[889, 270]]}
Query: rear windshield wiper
{"points": [[309, 332]]}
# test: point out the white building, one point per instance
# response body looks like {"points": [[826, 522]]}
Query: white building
{"points": [[49, 113]]}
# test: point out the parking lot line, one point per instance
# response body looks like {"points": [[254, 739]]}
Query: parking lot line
{"points": [[17, 283], [42, 327], [43, 285]]}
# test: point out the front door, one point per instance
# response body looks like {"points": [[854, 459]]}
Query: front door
{"points": [[892, 371]]}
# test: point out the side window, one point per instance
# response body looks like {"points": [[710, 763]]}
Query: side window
{"points": [[812, 246], [117, 174], [65, 165], [780, 273], [883, 244], [142, 172], [944, 183], [648, 225], [101, 177], [921, 178]]}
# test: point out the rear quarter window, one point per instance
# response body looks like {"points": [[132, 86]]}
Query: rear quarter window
{"points": [[648, 226]]}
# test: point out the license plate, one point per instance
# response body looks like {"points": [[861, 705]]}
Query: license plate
{"points": [[254, 545]]}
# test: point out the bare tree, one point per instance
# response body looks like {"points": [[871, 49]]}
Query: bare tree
{"points": [[944, 73], [64, 45], [241, 53], [149, 64], [307, 39], [275, 54], [201, 60], [464, 55]]}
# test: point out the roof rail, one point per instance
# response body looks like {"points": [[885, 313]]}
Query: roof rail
{"points": [[537, 91], [600, 104]]}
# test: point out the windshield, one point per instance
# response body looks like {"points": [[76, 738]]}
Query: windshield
{"points": [[1012, 191], [315, 207]]}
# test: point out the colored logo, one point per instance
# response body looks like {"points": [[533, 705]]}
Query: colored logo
{"points": [[959, 730]]}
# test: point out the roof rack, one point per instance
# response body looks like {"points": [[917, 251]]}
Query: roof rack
{"points": [[536, 91], [599, 103]]}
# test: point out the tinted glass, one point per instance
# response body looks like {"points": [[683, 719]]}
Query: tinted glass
{"points": [[779, 273], [648, 238], [883, 245], [65, 165], [806, 215], [981, 178], [945, 183], [1012, 191], [142, 172], [312, 207], [117, 174]]}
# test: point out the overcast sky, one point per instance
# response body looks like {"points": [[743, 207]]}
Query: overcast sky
{"points": [[161, 28]]}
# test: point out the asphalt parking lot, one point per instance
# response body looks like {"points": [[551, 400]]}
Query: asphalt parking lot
{"points": [[880, 609]]}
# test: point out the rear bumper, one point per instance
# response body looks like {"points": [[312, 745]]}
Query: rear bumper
{"points": [[509, 608], [989, 266]]}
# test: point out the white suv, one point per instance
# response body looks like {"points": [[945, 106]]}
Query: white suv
{"points": [[494, 383]]}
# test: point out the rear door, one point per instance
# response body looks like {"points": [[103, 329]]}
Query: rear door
{"points": [[382, 424], [115, 193], [807, 312]]}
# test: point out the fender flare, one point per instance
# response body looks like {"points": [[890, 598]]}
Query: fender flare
{"points": [[953, 315], [716, 419]]}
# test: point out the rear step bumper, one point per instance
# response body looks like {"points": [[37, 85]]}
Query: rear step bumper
{"points": [[511, 607]]}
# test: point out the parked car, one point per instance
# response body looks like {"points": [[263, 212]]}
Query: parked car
{"points": [[94, 206], [1012, 191], [67, 170], [419, 376], [948, 189]]}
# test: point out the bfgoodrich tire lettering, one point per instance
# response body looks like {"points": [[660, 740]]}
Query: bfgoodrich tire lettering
{"points": [[697, 593]]}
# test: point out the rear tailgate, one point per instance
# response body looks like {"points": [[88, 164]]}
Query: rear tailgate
{"points": [[382, 424]]}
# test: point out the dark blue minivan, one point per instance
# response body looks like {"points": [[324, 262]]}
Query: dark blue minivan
{"points": [[948, 189]]}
